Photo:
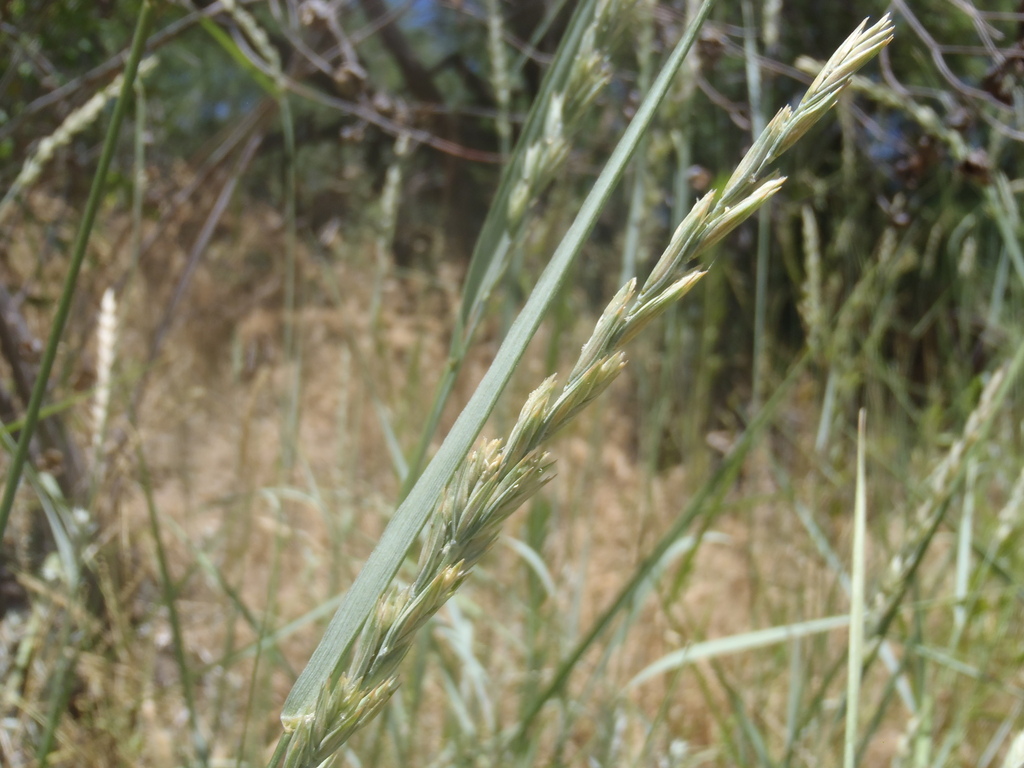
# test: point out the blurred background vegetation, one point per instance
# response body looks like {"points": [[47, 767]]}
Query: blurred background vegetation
{"points": [[288, 272]]}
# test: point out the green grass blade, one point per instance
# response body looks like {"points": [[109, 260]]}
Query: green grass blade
{"points": [[857, 577], [410, 516], [726, 646]]}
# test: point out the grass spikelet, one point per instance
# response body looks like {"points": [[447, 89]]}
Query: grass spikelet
{"points": [[647, 311], [745, 192], [681, 248], [788, 125], [531, 419], [731, 216], [608, 327], [589, 73], [856, 51], [579, 393]]}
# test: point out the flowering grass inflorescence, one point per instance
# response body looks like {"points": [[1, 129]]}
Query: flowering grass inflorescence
{"points": [[500, 475]]}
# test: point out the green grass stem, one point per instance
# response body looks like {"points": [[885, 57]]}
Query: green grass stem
{"points": [[857, 600]]}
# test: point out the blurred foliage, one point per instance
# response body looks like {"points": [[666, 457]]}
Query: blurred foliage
{"points": [[425, 65], [62, 38], [44, 45], [906, 202]]}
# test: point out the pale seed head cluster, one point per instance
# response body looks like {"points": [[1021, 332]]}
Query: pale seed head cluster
{"points": [[500, 475], [106, 340], [590, 72], [75, 123], [391, 193]]}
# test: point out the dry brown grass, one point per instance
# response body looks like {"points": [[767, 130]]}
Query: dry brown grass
{"points": [[210, 433]]}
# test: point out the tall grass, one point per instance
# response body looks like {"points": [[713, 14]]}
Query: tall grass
{"points": [[497, 478], [694, 614]]}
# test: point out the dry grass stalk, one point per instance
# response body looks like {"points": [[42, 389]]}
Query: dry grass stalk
{"points": [[499, 476]]}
